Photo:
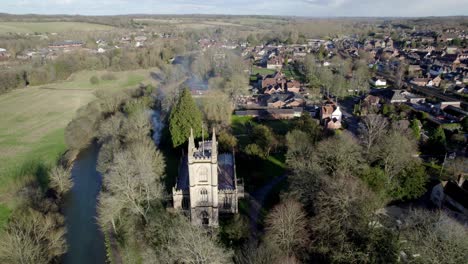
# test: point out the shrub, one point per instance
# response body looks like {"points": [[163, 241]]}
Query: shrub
{"points": [[94, 80], [108, 77]]}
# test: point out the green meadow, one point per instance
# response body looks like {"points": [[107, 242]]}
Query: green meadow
{"points": [[33, 120], [49, 27]]}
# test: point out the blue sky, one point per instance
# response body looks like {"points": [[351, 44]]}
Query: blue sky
{"points": [[314, 8]]}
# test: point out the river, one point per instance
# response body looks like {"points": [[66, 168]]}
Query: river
{"points": [[85, 239]]}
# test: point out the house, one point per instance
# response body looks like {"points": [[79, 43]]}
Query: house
{"points": [[414, 69], [125, 39], [206, 186], [420, 81], [413, 98], [275, 63], [272, 114], [443, 105], [461, 90], [66, 44], [280, 100], [452, 195], [274, 89], [371, 100], [277, 83], [271, 80], [377, 82], [435, 82], [436, 70], [4, 55], [331, 115], [140, 38], [293, 86], [398, 96], [370, 104]]}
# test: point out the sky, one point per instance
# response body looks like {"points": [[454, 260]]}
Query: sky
{"points": [[309, 8]]}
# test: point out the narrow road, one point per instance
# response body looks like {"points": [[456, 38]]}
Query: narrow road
{"points": [[257, 200]]}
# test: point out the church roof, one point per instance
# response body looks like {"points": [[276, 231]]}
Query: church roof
{"points": [[226, 172]]}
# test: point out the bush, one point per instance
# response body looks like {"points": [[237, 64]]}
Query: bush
{"points": [[108, 77], [94, 80]]}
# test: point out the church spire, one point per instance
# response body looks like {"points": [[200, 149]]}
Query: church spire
{"points": [[191, 145], [214, 146]]}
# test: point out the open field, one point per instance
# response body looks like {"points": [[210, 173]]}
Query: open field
{"points": [[49, 27], [33, 119]]}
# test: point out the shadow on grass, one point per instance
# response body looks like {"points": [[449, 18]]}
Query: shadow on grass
{"points": [[35, 169], [257, 172]]}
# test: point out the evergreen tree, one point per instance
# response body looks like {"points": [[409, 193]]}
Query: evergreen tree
{"points": [[437, 141], [184, 116], [415, 128]]}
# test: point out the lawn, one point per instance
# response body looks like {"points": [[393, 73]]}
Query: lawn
{"points": [[33, 120], [262, 71], [49, 27]]}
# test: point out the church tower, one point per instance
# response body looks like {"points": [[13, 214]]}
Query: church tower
{"points": [[203, 181]]}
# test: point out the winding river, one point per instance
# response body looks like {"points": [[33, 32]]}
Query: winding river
{"points": [[85, 239]]}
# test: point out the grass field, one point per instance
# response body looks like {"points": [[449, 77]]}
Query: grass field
{"points": [[262, 71], [33, 120], [49, 27]]}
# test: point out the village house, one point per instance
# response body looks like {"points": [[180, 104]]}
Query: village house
{"points": [[66, 44], [435, 82], [277, 83], [272, 114], [207, 183], [420, 81], [452, 195], [330, 115], [370, 104], [4, 55], [275, 63], [414, 69], [378, 82], [281, 100]]}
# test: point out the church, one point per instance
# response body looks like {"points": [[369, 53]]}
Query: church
{"points": [[207, 185]]}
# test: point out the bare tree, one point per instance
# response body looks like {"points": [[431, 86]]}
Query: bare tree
{"points": [[137, 126], [253, 254], [135, 177], [372, 128], [217, 109], [395, 153], [343, 211], [60, 179], [32, 237], [338, 155], [434, 237], [286, 228], [109, 210], [181, 242]]}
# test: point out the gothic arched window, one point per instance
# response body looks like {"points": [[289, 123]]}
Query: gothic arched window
{"points": [[205, 218], [203, 195], [203, 174], [227, 202]]}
